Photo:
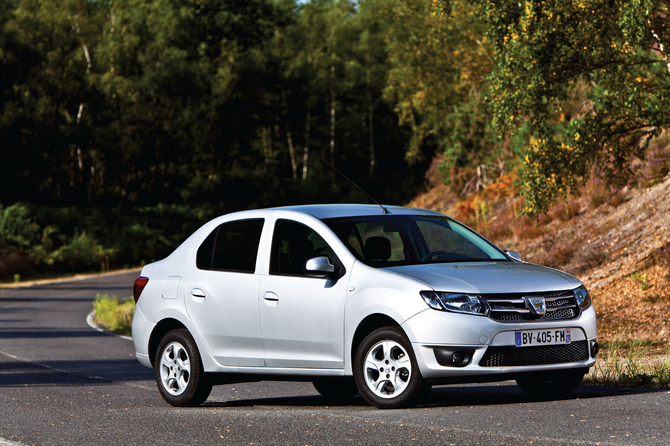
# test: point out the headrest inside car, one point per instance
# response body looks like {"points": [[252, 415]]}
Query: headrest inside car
{"points": [[377, 248]]}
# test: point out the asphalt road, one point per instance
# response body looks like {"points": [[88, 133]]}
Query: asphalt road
{"points": [[63, 383]]}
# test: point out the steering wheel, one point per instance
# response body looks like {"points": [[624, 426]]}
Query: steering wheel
{"points": [[435, 254]]}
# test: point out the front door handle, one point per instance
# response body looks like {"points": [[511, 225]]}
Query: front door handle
{"points": [[271, 299]]}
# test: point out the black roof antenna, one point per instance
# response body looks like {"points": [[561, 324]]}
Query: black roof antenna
{"points": [[384, 210]]}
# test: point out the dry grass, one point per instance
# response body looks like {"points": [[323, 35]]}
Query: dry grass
{"points": [[632, 364]]}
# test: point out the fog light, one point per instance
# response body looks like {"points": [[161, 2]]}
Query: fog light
{"points": [[595, 348], [453, 356]]}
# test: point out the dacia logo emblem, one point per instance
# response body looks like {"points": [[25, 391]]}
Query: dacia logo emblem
{"points": [[536, 305]]}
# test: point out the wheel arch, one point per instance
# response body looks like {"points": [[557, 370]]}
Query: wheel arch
{"points": [[367, 326], [161, 329]]}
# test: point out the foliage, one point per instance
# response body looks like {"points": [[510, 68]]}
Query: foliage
{"points": [[16, 226], [438, 64], [114, 315], [586, 80], [656, 165], [229, 104], [641, 279], [80, 238], [130, 123]]}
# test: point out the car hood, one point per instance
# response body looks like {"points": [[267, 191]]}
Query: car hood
{"points": [[489, 277]]}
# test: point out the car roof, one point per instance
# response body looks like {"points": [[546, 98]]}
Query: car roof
{"points": [[324, 211]]}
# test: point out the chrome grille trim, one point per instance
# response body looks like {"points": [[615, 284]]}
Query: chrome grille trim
{"points": [[512, 307]]}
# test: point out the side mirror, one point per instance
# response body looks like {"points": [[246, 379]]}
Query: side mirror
{"points": [[515, 255], [319, 267]]}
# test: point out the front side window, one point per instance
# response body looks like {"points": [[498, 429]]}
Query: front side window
{"points": [[393, 240], [292, 245], [232, 246]]}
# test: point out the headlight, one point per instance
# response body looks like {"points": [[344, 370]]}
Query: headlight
{"points": [[456, 302], [583, 297]]}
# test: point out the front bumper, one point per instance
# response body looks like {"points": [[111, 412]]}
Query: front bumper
{"points": [[489, 346]]}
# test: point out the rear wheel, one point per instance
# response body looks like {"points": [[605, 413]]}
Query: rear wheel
{"points": [[339, 390], [386, 370], [180, 377], [548, 385]]}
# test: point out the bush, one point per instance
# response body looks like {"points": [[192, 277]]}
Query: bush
{"points": [[656, 164], [560, 254], [87, 238], [567, 210], [18, 227], [589, 257], [114, 315], [80, 253]]}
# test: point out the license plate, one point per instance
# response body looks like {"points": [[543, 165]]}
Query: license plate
{"points": [[531, 338]]}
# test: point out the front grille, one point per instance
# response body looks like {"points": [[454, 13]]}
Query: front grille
{"points": [[519, 356], [512, 307]]}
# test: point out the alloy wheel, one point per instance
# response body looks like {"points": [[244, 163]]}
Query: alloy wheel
{"points": [[175, 368], [388, 369]]}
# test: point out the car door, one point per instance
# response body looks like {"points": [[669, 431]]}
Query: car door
{"points": [[222, 293], [302, 317]]}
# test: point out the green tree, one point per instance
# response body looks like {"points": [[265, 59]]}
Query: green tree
{"points": [[585, 82], [440, 61], [169, 72], [44, 120], [438, 56]]}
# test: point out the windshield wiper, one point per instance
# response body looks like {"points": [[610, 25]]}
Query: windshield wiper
{"points": [[469, 260]]}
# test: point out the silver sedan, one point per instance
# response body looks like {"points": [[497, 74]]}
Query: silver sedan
{"points": [[357, 298]]}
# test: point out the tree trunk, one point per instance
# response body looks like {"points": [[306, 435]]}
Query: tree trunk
{"points": [[291, 151], [332, 117], [370, 127], [80, 160], [289, 139], [305, 157], [267, 143]]}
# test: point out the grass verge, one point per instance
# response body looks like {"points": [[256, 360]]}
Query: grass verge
{"points": [[114, 315], [632, 364]]}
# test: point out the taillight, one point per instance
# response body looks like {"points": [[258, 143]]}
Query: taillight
{"points": [[140, 283]]}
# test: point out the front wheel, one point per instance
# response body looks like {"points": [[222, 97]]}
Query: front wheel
{"points": [[549, 385], [386, 371], [180, 377]]}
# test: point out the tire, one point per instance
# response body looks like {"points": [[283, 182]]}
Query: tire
{"points": [[386, 371], [337, 390], [550, 385], [180, 377]]}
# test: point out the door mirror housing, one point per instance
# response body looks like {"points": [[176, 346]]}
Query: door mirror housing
{"points": [[515, 255], [319, 267]]}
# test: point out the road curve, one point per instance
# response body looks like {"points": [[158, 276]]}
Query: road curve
{"points": [[64, 383]]}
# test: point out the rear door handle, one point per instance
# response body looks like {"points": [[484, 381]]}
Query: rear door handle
{"points": [[197, 292]]}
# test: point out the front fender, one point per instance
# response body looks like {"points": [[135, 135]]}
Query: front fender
{"points": [[374, 291]]}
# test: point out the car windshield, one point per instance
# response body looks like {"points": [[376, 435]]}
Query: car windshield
{"points": [[395, 240]]}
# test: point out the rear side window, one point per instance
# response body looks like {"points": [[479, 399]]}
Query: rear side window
{"points": [[232, 246]]}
